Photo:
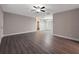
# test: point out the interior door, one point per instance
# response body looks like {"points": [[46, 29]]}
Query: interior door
{"points": [[42, 25]]}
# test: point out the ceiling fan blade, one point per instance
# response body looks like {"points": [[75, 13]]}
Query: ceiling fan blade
{"points": [[42, 7], [43, 10], [34, 6]]}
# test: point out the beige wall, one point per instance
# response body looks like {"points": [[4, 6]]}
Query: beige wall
{"points": [[1, 24], [67, 23], [17, 24]]}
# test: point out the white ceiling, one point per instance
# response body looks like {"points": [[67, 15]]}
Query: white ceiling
{"points": [[25, 9]]}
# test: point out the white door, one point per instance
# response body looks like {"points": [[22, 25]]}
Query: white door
{"points": [[42, 25]]}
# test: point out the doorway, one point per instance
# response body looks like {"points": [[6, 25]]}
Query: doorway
{"points": [[44, 24]]}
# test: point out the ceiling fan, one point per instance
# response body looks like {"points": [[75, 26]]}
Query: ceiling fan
{"points": [[39, 9]]}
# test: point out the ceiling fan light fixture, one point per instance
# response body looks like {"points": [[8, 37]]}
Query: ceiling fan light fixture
{"points": [[38, 10]]}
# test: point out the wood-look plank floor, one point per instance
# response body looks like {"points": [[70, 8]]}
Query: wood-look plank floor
{"points": [[38, 43]]}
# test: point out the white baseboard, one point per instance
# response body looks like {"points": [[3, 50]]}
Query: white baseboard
{"points": [[17, 33], [71, 38]]}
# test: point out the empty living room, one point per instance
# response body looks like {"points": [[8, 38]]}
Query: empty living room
{"points": [[39, 28]]}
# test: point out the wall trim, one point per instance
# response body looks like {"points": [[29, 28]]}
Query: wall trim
{"points": [[17, 33], [71, 38]]}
